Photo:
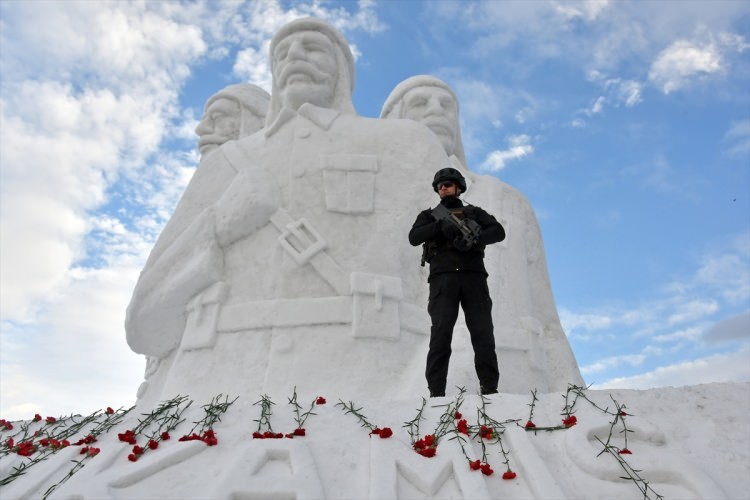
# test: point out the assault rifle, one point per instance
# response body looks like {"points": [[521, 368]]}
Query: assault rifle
{"points": [[470, 230]]}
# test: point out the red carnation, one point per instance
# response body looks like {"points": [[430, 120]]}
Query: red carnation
{"points": [[44, 442], [485, 432], [256, 435], [486, 469], [109, 410], [127, 437], [530, 425], [37, 417], [65, 443], [25, 448], [426, 446], [383, 433], [152, 444], [298, 432], [54, 443], [428, 452], [209, 437], [51, 420], [625, 451], [458, 415], [165, 436], [475, 465], [92, 452], [623, 414], [570, 421], [509, 474], [426, 442], [132, 457], [320, 401], [137, 450], [9, 443], [87, 440], [463, 426]]}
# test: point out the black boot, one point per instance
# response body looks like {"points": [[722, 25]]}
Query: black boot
{"points": [[437, 394], [487, 390]]}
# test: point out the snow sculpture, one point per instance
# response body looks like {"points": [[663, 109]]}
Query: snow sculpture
{"points": [[286, 261], [235, 111], [532, 349], [185, 258]]}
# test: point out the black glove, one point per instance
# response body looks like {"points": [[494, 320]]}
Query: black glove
{"points": [[462, 245], [450, 231]]}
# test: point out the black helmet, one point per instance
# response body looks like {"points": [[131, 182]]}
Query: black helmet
{"points": [[449, 174]]}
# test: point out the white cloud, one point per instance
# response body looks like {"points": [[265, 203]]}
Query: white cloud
{"points": [[689, 334], [684, 61], [78, 347], [728, 367], [737, 140], [253, 65], [572, 322], [617, 92], [733, 328], [627, 92], [723, 271], [518, 147], [587, 10], [613, 362], [692, 311], [676, 65], [596, 107]]}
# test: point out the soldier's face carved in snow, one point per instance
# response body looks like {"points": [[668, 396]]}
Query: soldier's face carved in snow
{"points": [[304, 67], [436, 108], [220, 123]]}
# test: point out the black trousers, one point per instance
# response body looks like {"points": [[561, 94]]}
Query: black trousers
{"points": [[447, 291]]}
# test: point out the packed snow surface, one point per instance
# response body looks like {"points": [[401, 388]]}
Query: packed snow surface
{"points": [[688, 442]]}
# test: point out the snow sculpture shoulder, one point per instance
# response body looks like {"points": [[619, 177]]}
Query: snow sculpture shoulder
{"points": [[533, 351], [295, 269]]}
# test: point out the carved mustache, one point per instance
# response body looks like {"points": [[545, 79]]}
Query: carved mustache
{"points": [[301, 68]]}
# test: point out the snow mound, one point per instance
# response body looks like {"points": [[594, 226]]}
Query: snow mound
{"points": [[689, 442]]}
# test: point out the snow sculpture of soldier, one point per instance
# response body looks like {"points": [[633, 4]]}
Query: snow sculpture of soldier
{"points": [[533, 351], [318, 281], [185, 259]]}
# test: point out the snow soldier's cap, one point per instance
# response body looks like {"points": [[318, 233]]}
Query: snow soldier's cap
{"points": [[342, 100], [246, 94]]}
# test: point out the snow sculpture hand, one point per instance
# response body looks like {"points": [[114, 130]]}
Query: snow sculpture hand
{"points": [[245, 207]]}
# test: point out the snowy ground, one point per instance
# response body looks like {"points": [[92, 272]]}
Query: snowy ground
{"points": [[689, 442]]}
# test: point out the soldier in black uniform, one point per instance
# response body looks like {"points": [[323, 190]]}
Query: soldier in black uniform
{"points": [[457, 276]]}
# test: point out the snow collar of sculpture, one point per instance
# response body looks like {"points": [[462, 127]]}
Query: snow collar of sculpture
{"points": [[321, 117]]}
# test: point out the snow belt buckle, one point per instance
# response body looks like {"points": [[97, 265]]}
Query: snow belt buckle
{"points": [[301, 241]]}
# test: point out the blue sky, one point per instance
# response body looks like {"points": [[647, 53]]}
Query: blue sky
{"points": [[626, 124]]}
